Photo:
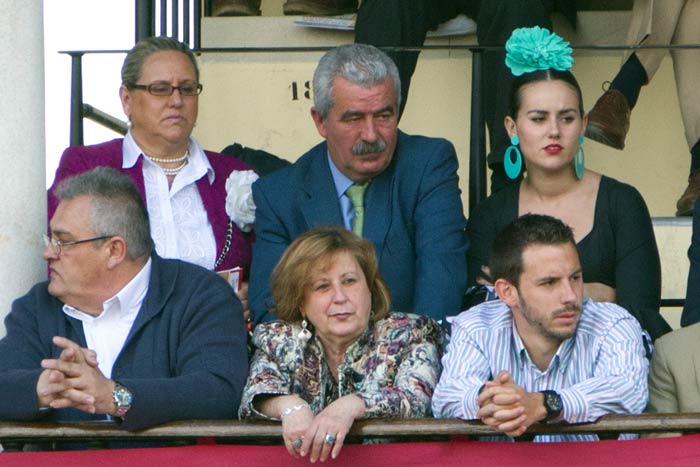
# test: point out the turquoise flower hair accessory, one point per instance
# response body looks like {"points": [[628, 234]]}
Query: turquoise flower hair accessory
{"points": [[536, 48]]}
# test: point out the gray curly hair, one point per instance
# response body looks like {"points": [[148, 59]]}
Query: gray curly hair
{"points": [[361, 64]]}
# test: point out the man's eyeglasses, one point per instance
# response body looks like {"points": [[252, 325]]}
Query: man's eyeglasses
{"points": [[56, 245], [165, 89]]}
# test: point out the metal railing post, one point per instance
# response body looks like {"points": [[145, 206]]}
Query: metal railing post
{"points": [[477, 142], [198, 22], [76, 99], [186, 22], [174, 13], [163, 19], [145, 25]]}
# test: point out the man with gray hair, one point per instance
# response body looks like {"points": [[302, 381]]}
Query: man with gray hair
{"points": [[117, 331], [398, 191]]}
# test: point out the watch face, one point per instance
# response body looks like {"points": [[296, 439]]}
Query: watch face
{"points": [[122, 396], [552, 402]]}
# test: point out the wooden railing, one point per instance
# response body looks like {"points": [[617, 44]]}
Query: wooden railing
{"points": [[13, 434]]}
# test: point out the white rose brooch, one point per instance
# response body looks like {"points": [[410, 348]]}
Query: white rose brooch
{"points": [[239, 198]]}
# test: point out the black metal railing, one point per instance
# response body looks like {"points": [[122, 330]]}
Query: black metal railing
{"points": [[477, 144], [175, 18]]}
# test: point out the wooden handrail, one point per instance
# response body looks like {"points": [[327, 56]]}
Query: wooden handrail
{"points": [[258, 431]]}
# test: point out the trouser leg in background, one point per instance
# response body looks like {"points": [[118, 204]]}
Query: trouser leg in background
{"points": [[390, 23], [686, 68], [495, 22], [650, 23]]}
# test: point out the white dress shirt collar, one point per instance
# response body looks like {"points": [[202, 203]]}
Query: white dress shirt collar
{"points": [[199, 163], [106, 333]]}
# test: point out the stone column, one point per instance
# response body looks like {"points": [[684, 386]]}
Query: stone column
{"points": [[22, 159]]}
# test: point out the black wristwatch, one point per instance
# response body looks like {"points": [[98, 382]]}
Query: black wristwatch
{"points": [[552, 403]]}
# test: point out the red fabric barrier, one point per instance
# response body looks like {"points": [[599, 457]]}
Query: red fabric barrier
{"points": [[670, 452]]}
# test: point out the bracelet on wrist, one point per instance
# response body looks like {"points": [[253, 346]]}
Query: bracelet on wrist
{"points": [[294, 408]]}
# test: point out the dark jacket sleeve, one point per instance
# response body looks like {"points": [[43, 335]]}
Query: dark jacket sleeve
{"points": [[691, 310], [440, 238], [210, 361], [637, 264], [21, 352], [271, 239]]}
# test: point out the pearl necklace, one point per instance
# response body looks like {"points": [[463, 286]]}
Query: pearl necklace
{"points": [[174, 170], [169, 161]]}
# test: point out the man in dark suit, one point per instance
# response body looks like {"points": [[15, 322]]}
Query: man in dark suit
{"points": [[411, 209], [117, 331]]}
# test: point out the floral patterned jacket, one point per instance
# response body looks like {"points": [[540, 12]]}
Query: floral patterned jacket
{"points": [[393, 367]]}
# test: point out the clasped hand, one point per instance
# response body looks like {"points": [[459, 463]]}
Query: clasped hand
{"points": [[508, 408], [74, 380], [305, 433]]}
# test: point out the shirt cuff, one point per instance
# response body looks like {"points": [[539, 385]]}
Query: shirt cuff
{"points": [[470, 406], [574, 406]]}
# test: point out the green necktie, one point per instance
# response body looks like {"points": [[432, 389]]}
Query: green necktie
{"points": [[356, 193]]}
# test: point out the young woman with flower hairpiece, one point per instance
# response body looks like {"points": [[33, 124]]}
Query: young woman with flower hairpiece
{"points": [[610, 220]]}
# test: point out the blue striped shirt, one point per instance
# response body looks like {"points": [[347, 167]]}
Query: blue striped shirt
{"points": [[601, 370]]}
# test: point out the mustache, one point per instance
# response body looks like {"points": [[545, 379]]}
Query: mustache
{"points": [[365, 147], [568, 309]]}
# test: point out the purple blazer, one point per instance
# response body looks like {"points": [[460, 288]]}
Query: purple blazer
{"points": [[79, 159]]}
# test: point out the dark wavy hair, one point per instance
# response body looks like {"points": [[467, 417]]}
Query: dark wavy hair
{"points": [[515, 99], [508, 246]]}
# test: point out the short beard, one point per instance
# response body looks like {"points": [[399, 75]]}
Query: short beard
{"points": [[364, 147], [545, 331]]}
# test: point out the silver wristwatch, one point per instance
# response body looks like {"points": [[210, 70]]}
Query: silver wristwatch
{"points": [[122, 397]]}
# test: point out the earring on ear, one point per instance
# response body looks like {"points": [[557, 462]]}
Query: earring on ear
{"points": [[579, 162], [304, 335], [513, 167]]}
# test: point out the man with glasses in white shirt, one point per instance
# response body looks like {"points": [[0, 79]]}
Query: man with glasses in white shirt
{"points": [[118, 331]]}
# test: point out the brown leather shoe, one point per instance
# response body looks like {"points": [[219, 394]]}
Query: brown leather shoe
{"points": [[319, 7], [609, 119], [684, 206], [235, 8]]}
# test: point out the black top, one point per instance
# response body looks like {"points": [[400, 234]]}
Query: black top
{"points": [[691, 310], [619, 251]]}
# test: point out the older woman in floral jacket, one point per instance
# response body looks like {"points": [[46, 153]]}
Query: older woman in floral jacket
{"points": [[337, 354]]}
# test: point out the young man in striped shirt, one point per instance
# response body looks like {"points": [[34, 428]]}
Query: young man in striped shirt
{"points": [[541, 353]]}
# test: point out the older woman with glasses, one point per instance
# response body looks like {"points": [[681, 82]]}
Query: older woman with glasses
{"points": [[337, 354], [184, 187]]}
